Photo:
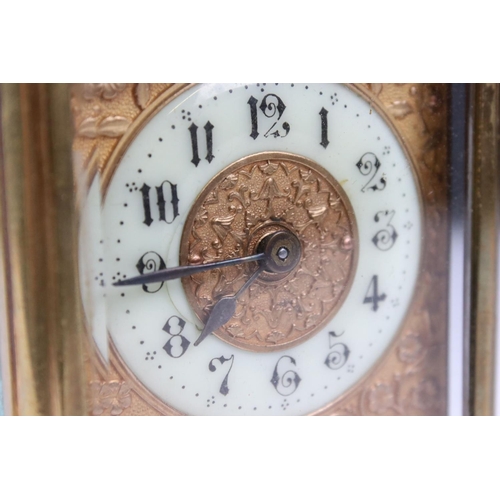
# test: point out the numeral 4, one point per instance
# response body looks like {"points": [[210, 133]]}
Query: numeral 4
{"points": [[372, 296]]}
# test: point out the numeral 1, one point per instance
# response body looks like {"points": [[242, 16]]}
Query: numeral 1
{"points": [[372, 296], [193, 130], [324, 128], [253, 116]]}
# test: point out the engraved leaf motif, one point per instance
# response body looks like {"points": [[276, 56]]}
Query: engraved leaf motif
{"points": [[113, 395], [105, 90], [316, 212], [235, 330], [88, 128], [275, 336], [113, 126], [201, 218], [111, 90], [229, 182], [400, 109], [269, 168], [142, 94], [222, 225]]}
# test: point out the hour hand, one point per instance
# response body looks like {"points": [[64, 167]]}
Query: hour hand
{"points": [[225, 308], [281, 253], [179, 272]]}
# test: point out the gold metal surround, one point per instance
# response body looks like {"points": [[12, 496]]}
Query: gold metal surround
{"points": [[411, 377], [41, 342], [247, 201]]}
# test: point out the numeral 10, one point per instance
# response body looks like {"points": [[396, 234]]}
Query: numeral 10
{"points": [[167, 202]]}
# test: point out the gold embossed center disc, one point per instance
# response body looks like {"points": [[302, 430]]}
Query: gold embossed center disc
{"points": [[248, 200]]}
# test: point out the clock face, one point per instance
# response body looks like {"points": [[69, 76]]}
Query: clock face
{"points": [[211, 175]]}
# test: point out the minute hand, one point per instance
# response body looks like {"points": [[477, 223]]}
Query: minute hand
{"points": [[179, 272]]}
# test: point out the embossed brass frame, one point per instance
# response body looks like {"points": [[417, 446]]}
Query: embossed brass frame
{"points": [[411, 377]]}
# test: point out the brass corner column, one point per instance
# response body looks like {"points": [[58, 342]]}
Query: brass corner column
{"points": [[40, 335], [484, 134]]}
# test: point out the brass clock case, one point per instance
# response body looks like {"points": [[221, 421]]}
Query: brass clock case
{"points": [[411, 377]]}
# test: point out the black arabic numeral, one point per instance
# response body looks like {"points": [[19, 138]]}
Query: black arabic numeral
{"points": [[369, 165], [177, 344], [146, 204], [338, 357], [253, 117], [193, 130], [174, 202], [224, 388], [332, 338], [167, 202], [149, 263], [273, 108], [208, 132], [372, 296], [324, 128], [285, 381], [385, 238]]}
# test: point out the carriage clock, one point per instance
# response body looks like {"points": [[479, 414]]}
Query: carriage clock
{"points": [[247, 249]]}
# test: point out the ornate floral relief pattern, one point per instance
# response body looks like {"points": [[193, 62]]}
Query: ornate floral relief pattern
{"points": [[142, 94], [102, 113], [113, 392], [248, 202], [105, 90], [111, 397]]}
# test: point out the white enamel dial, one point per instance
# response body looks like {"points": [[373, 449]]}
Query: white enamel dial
{"points": [[174, 155]]}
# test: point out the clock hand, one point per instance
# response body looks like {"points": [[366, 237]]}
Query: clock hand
{"points": [[282, 252], [225, 308], [179, 272]]}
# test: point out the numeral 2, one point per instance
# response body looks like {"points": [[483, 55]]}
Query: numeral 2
{"points": [[369, 165]]}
